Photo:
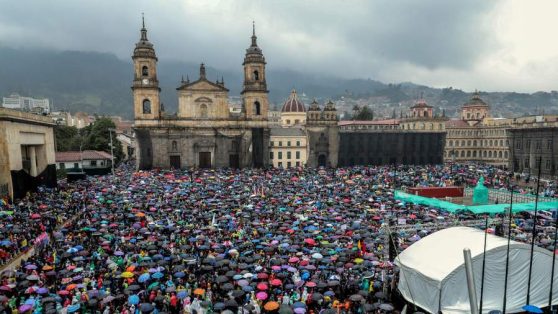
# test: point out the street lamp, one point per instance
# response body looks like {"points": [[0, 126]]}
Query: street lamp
{"points": [[111, 150]]}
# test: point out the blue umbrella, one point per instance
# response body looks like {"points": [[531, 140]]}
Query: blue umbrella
{"points": [[179, 274], [157, 275], [73, 308], [133, 299], [532, 309], [182, 294], [143, 278]]}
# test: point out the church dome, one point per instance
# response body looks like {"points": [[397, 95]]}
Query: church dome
{"points": [[293, 104], [475, 101]]}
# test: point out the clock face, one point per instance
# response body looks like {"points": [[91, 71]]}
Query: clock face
{"points": [[145, 81]]}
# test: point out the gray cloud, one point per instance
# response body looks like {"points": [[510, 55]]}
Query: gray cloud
{"points": [[358, 38]]}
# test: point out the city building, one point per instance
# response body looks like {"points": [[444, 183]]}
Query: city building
{"points": [[26, 153], [531, 145], [476, 137], [18, 102], [421, 118], [92, 162], [288, 147], [205, 132], [359, 125], [67, 119]]}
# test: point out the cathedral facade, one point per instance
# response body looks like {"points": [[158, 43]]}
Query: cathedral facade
{"points": [[204, 132]]}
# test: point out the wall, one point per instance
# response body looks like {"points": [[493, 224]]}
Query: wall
{"points": [[281, 144], [389, 147], [527, 145]]}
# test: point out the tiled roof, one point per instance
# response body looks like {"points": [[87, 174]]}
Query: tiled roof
{"points": [[84, 155], [456, 123], [287, 132]]}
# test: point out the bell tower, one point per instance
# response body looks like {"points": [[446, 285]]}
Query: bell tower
{"points": [[254, 92], [145, 86]]}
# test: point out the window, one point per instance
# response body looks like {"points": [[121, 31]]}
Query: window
{"points": [[469, 143], [500, 154], [279, 155], [144, 71], [174, 146], [146, 106], [270, 155], [490, 154], [297, 155], [280, 143], [289, 143], [297, 143], [203, 111], [468, 153], [548, 164], [298, 163], [474, 153], [288, 121], [62, 165], [76, 165], [484, 154], [549, 144], [257, 108], [289, 155], [538, 145], [528, 144], [93, 163], [256, 75], [102, 162], [280, 164], [297, 121], [271, 143], [462, 153], [526, 163], [518, 145], [475, 143], [506, 155], [450, 143], [288, 164]]}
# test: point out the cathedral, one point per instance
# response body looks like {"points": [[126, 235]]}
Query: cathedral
{"points": [[205, 132]]}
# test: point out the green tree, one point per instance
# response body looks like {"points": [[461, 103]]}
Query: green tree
{"points": [[365, 113], [97, 137], [67, 138]]}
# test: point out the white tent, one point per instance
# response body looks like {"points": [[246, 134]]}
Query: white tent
{"points": [[432, 272]]}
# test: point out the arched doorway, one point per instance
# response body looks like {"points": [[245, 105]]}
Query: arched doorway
{"points": [[322, 161]]}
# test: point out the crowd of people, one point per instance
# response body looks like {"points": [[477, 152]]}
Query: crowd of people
{"points": [[224, 241]]}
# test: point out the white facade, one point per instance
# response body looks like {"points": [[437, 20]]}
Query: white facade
{"points": [[26, 103]]}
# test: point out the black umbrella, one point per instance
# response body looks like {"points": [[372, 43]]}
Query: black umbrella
{"points": [[146, 307]]}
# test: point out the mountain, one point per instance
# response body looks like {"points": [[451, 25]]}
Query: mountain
{"points": [[100, 83]]}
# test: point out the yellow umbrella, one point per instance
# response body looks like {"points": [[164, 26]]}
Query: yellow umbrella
{"points": [[127, 274], [358, 260]]}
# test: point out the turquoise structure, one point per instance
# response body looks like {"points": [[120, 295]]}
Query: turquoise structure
{"points": [[480, 193]]}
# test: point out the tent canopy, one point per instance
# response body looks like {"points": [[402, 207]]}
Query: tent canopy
{"points": [[433, 277], [478, 209]]}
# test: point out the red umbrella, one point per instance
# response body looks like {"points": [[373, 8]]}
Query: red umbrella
{"points": [[35, 216], [262, 286], [263, 276], [310, 241], [293, 260], [276, 282], [310, 284]]}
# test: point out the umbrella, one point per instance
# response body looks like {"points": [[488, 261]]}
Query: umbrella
{"points": [[146, 307], [127, 274], [261, 295], [388, 307], [271, 306], [133, 299], [532, 309], [199, 291], [143, 278], [73, 308]]}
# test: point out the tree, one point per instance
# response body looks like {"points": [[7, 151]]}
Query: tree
{"points": [[364, 114], [97, 137], [67, 138]]}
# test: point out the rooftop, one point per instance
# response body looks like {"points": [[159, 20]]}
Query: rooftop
{"points": [[84, 155]]}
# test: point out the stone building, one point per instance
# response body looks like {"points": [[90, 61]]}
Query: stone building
{"points": [[532, 144], [203, 133], [476, 137], [288, 147], [421, 118], [26, 152], [322, 130]]}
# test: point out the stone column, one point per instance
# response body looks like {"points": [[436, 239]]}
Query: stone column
{"points": [[33, 160]]}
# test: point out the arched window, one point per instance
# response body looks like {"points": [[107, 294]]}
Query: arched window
{"points": [[462, 142], [450, 143], [484, 154], [144, 71], [257, 108], [462, 153], [174, 146], [500, 154], [203, 111], [256, 75], [468, 153], [288, 121], [490, 154], [506, 155], [146, 106], [474, 154]]}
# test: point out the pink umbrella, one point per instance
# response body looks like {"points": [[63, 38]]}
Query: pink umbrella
{"points": [[261, 295], [262, 286]]}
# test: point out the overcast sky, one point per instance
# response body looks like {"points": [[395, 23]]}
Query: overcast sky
{"points": [[474, 44]]}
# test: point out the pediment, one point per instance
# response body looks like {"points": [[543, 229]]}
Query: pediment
{"points": [[202, 85]]}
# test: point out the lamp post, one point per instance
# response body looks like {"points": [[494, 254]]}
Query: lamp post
{"points": [[111, 151]]}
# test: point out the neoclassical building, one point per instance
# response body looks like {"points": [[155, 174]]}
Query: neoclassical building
{"points": [[203, 133]]}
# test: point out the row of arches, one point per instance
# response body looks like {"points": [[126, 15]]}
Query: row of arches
{"points": [[488, 143]]}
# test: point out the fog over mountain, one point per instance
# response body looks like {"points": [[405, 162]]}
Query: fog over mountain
{"points": [[100, 83]]}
